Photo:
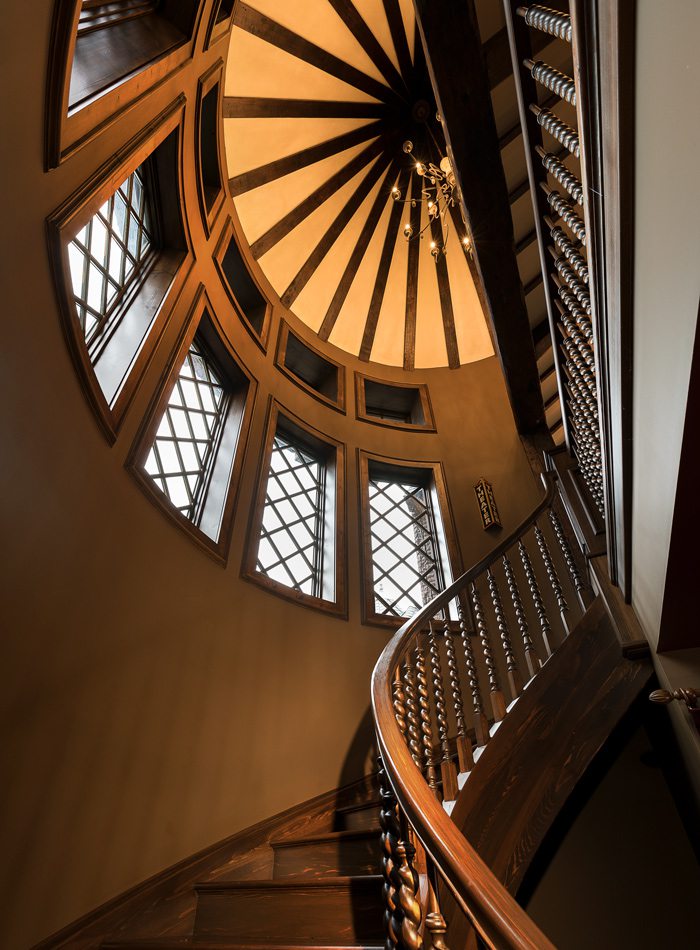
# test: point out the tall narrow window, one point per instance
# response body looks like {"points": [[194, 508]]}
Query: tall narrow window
{"points": [[181, 459], [299, 516], [291, 535], [408, 546], [107, 256]]}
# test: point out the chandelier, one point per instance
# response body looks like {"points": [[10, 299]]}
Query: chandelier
{"points": [[440, 194]]}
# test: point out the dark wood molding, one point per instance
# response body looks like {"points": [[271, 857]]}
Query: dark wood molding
{"points": [[217, 548], [350, 16], [307, 156], [249, 107], [256, 23], [280, 356], [398, 36], [336, 452], [390, 237], [324, 191], [358, 252], [212, 79], [424, 395], [335, 229], [497, 54], [228, 234], [450, 34], [412, 272], [448, 317]]}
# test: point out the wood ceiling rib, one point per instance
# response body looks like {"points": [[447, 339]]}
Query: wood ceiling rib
{"points": [[319, 98]]}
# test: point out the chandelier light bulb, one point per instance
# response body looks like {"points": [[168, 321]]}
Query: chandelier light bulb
{"points": [[407, 231], [395, 193], [420, 170]]}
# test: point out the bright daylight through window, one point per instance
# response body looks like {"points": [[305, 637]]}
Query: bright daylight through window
{"points": [[291, 536], [182, 457], [406, 570]]}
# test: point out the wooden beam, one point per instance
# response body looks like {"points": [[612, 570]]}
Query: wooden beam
{"points": [[334, 230], [443, 279], [358, 252], [533, 284], [383, 270], [400, 41], [353, 20], [306, 156], [511, 134], [526, 241], [317, 197], [450, 35], [411, 313], [257, 24], [497, 54], [249, 107], [520, 189]]}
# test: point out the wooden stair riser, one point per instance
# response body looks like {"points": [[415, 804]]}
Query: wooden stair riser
{"points": [[361, 817], [335, 855], [345, 912]]}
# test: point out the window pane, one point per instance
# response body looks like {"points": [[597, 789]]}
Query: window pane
{"points": [[406, 571], [185, 446], [292, 524]]}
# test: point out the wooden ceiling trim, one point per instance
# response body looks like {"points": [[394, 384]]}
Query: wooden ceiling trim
{"points": [[532, 284], [250, 107], [375, 304], [399, 39], [358, 252], [334, 231], [353, 20], [256, 23], [526, 241], [448, 316], [450, 35], [497, 54], [246, 181], [409, 335], [294, 217]]}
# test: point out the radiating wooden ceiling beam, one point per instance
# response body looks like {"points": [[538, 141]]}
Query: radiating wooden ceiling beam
{"points": [[317, 197], [251, 107], [358, 252], [399, 39], [375, 304], [334, 230], [353, 20], [450, 35], [301, 159], [443, 279], [257, 24], [412, 272]]}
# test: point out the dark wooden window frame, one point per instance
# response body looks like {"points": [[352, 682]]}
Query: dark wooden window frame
{"points": [[334, 452], [229, 234], [242, 405], [285, 332], [430, 474], [210, 81], [423, 394], [68, 220], [69, 129], [218, 27]]}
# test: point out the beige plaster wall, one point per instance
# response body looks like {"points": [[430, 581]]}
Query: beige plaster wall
{"points": [[153, 702]]}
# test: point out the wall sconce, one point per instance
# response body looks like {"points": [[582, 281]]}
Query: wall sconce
{"points": [[487, 504]]}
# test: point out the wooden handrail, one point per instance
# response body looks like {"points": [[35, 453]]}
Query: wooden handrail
{"points": [[495, 914]]}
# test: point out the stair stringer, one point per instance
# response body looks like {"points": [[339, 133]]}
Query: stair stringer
{"points": [[542, 749]]}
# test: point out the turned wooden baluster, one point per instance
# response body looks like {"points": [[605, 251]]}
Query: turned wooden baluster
{"points": [[532, 658], [498, 702], [565, 210], [435, 923], [448, 772], [425, 725], [552, 575], [547, 21], [558, 170], [514, 678], [390, 837], [399, 700], [413, 733], [552, 79], [481, 725], [465, 755], [545, 627], [408, 895], [559, 130], [582, 588]]}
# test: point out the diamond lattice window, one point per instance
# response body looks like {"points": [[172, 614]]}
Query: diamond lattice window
{"points": [[406, 571], [108, 254], [181, 459], [291, 536]]}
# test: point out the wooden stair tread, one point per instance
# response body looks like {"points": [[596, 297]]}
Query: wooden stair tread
{"points": [[339, 836], [185, 943], [346, 880]]}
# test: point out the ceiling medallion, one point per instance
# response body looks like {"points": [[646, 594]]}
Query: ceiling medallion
{"points": [[440, 193]]}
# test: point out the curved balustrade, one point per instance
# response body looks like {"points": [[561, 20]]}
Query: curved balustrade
{"points": [[490, 631]]}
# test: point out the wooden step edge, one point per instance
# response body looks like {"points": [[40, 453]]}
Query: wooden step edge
{"points": [[349, 835], [359, 806], [317, 883], [205, 943]]}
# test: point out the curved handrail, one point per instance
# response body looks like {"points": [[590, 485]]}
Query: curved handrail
{"points": [[499, 919]]}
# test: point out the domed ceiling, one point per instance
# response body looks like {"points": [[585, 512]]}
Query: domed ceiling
{"points": [[320, 97]]}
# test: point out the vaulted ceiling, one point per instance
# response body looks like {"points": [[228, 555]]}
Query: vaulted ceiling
{"points": [[320, 97]]}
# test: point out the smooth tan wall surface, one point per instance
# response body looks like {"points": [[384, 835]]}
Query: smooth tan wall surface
{"points": [[153, 701]]}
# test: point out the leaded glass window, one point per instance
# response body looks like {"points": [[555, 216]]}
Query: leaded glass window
{"points": [[108, 254], [291, 535], [181, 459], [406, 571]]}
